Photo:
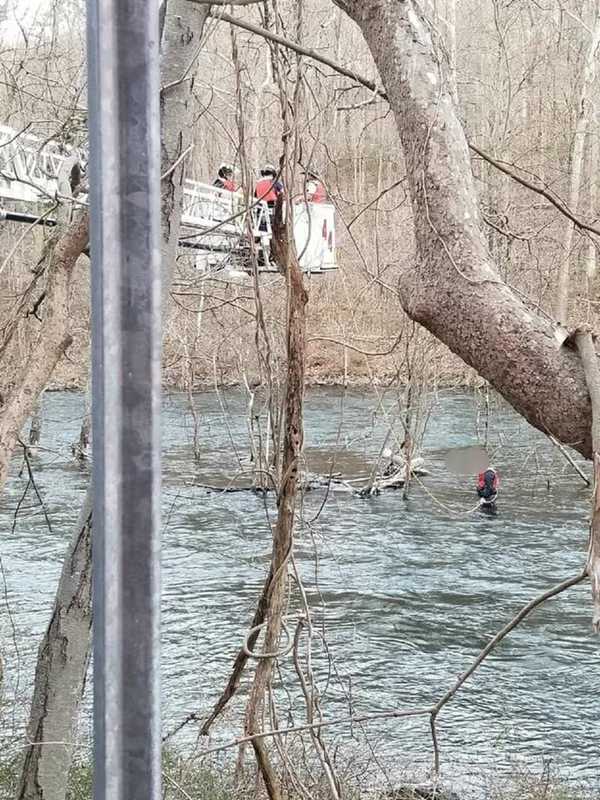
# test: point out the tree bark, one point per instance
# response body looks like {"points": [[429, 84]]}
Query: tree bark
{"points": [[589, 358], [60, 672], [286, 499], [52, 340], [182, 29], [453, 288], [591, 258]]}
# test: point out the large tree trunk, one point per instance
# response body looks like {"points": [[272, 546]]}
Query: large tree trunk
{"points": [[60, 673], [182, 29], [453, 289]]}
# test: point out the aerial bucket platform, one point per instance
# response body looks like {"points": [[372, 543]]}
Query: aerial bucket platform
{"points": [[215, 224], [226, 229]]}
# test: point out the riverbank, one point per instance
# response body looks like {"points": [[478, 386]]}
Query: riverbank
{"points": [[451, 373], [327, 381], [352, 339], [185, 779]]}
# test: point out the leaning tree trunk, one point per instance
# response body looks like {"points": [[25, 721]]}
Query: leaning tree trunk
{"points": [[52, 340], [182, 26], [453, 288], [62, 661]]}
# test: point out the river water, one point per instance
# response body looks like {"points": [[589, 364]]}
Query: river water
{"points": [[406, 592]]}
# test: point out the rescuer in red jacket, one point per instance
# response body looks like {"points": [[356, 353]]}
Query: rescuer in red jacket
{"points": [[224, 179], [268, 188], [487, 489], [315, 191]]}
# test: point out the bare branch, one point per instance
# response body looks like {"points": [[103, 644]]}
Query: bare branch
{"points": [[372, 87], [327, 723], [226, 2], [297, 48], [569, 458], [491, 645], [518, 618], [541, 190]]}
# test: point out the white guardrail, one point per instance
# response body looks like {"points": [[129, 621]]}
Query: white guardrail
{"points": [[34, 171]]}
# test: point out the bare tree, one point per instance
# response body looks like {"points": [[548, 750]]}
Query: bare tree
{"points": [[585, 108], [181, 38], [286, 504], [587, 350], [454, 290]]}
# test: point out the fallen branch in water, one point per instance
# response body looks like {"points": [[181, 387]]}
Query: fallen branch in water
{"points": [[309, 482]]}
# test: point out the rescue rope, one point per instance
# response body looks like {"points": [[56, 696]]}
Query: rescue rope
{"points": [[443, 505]]}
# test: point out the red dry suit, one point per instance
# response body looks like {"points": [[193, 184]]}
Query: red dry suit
{"points": [[267, 190], [487, 484]]}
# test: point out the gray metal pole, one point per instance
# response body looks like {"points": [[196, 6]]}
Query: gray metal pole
{"points": [[123, 61]]}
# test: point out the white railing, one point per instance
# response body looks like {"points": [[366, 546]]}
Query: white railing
{"points": [[30, 168], [33, 171], [209, 207]]}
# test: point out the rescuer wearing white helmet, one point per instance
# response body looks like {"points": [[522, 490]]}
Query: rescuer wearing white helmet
{"points": [[224, 179], [268, 188]]}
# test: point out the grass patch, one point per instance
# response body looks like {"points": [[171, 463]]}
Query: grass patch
{"points": [[530, 787], [184, 778], [181, 779]]}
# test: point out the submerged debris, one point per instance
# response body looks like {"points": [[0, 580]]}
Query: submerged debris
{"points": [[394, 476], [309, 482]]}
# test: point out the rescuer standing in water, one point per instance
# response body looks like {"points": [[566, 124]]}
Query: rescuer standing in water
{"points": [[487, 490]]}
